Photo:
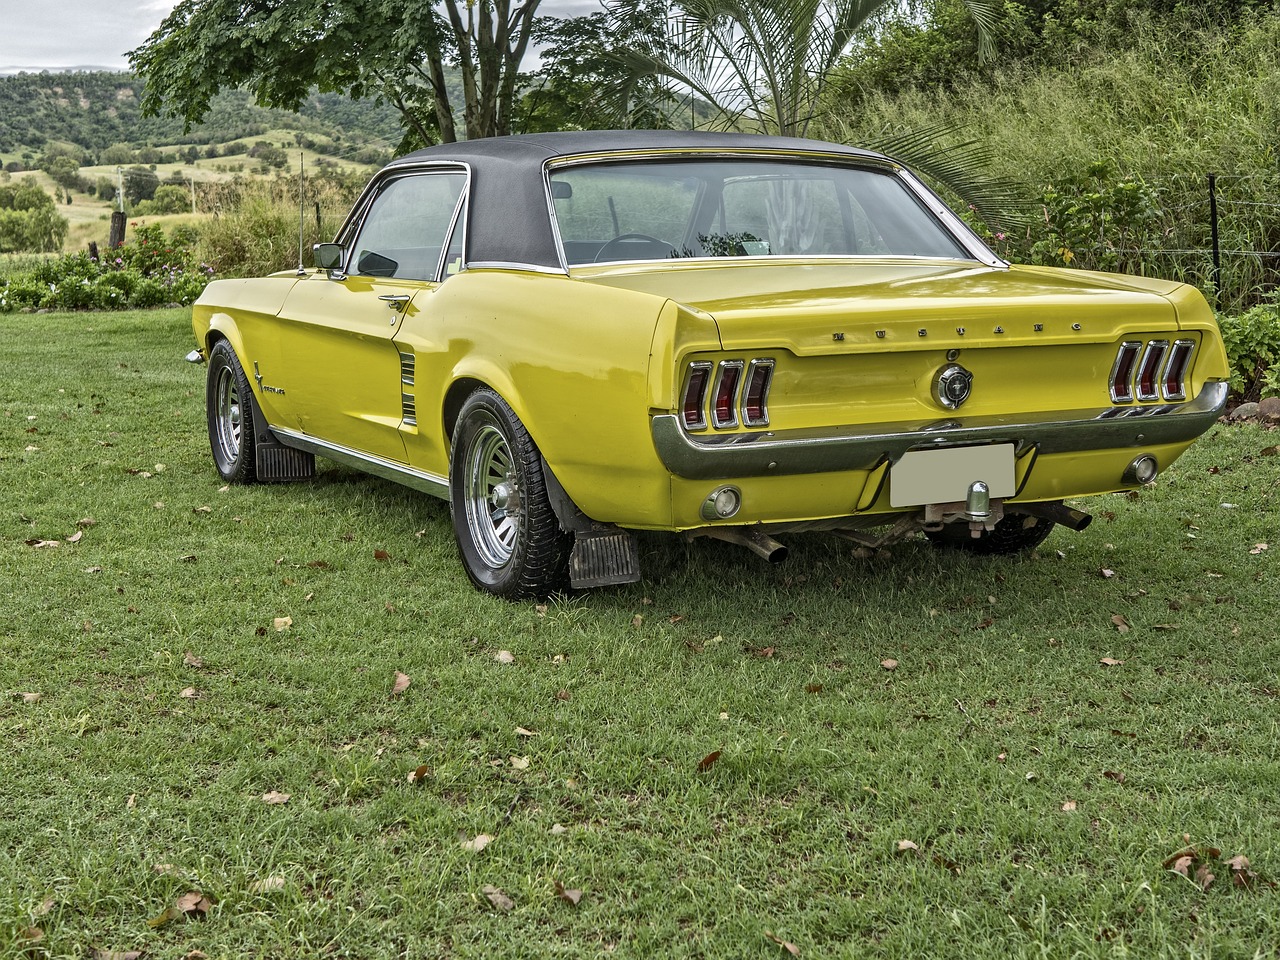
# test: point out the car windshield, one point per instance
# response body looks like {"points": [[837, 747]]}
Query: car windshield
{"points": [[655, 210]]}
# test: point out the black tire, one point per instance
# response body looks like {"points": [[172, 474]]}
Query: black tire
{"points": [[1014, 533], [229, 405], [509, 537]]}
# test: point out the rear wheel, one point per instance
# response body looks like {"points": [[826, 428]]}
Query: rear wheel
{"points": [[229, 405], [509, 537], [1013, 533]]}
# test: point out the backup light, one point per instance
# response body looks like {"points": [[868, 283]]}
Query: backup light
{"points": [[1142, 470], [722, 503]]}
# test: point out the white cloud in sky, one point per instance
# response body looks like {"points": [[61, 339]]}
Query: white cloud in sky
{"points": [[64, 34]]}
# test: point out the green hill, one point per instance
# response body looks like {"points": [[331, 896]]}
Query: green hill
{"points": [[99, 109]]}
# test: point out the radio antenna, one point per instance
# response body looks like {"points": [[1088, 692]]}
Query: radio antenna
{"points": [[302, 208]]}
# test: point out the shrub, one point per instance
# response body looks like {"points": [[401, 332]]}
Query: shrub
{"points": [[149, 271], [1252, 340]]}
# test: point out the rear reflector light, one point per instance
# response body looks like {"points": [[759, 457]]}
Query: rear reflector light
{"points": [[1174, 382], [1122, 372], [755, 398], [1149, 370], [695, 396], [724, 409]]}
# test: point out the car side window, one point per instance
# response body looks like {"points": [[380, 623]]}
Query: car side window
{"points": [[406, 227]]}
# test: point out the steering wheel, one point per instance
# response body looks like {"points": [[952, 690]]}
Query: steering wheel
{"points": [[623, 238]]}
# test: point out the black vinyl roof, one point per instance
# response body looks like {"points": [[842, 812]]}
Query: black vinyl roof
{"points": [[509, 220]]}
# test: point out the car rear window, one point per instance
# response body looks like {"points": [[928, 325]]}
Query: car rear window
{"points": [[650, 210]]}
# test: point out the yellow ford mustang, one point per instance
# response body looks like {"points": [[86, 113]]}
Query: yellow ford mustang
{"points": [[575, 336]]}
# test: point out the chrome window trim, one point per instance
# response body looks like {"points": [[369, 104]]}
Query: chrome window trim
{"points": [[512, 265], [950, 223], [351, 227]]}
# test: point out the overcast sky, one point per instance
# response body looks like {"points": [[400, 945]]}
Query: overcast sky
{"points": [[58, 35]]}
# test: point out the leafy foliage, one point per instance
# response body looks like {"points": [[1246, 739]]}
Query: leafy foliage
{"points": [[151, 270], [29, 220], [1252, 340], [283, 49]]}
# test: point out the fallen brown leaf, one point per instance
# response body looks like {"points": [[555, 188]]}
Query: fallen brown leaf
{"points": [[520, 763], [30, 697], [813, 688], [1121, 623], [418, 774], [1204, 877], [1114, 775], [188, 693], [906, 846], [282, 623], [275, 797], [191, 660], [75, 537], [381, 555], [1111, 662], [477, 843], [523, 732], [99, 953], [401, 684], [706, 762], [504, 656], [267, 885], [889, 664], [569, 896], [498, 898], [562, 694], [786, 945], [1069, 806]]}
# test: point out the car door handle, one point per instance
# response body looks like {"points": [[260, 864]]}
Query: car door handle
{"points": [[396, 301]]}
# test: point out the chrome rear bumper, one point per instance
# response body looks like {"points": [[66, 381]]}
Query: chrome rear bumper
{"points": [[769, 453]]}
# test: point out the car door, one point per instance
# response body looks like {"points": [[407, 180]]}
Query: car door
{"points": [[340, 368]]}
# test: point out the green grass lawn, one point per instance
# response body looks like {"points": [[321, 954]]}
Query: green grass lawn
{"points": [[187, 650]]}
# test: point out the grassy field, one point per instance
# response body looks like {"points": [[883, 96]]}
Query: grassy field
{"points": [[914, 755]]}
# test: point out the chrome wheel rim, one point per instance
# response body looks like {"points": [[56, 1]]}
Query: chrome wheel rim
{"points": [[227, 425], [492, 497]]}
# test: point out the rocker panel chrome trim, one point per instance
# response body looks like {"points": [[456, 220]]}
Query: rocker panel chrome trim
{"points": [[377, 466], [818, 451]]}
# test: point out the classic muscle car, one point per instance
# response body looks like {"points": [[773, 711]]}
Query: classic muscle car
{"points": [[575, 336]]}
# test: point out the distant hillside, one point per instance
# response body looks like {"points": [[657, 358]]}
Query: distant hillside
{"points": [[97, 109]]}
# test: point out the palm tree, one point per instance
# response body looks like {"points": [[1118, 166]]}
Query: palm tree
{"points": [[761, 66]]}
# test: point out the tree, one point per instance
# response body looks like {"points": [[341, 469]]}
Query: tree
{"points": [[29, 221], [393, 50], [762, 64], [585, 82], [140, 183]]}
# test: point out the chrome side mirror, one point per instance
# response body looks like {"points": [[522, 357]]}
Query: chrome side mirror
{"points": [[328, 255]]}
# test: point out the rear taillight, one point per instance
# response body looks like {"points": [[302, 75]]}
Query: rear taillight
{"points": [[1149, 370], [755, 398], [1122, 372], [724, 407], [732, 392], [1174, 382], [695, 396]]}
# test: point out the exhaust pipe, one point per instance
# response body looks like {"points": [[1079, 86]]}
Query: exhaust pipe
{"points": [[1056, 511], [753, 538]]}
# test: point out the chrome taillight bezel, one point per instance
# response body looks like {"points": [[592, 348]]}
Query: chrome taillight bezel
{"points": [[1150, 369], [693, 397], [725, 394], [755, 393], [1122, 371], [1173, 380]]}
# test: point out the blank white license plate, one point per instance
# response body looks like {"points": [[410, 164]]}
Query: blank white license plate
{"points": [[944, 476]]}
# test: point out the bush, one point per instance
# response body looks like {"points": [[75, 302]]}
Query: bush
{"points": [[1252, 340], [149, 271]]}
